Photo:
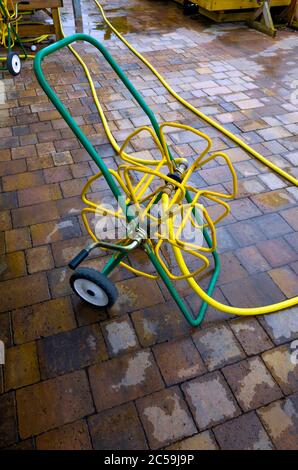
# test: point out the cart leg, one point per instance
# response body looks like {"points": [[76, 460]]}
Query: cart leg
{"points": [[113, 263]]}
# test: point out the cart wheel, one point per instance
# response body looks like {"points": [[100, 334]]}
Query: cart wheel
{"points": [[93, 287], [13, 63]]}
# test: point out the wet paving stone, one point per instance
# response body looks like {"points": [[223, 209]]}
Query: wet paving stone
{"points": [[74, 436], [71, 350], [120, 336], [117, 429], [217, 346], [178, 360], [210, 400], [165, 417], [282, 326], [280, 420], [124, 378], [251, 335], [283, 365], [27, 370], [251, 383], [8, 423], [56, 402], [243, 433], [202, 441]]}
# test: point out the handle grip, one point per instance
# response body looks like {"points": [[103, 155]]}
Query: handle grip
{"points": [[74, 263]]}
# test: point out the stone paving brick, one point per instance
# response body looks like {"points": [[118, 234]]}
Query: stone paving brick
{"points": [[280, 420], [252, 291], [74, 436], [244, 209], [5, 220], [246, 233], [59, 282], [49, 232], [165, 417], [119, 336], [243, 433], [21, 366], [231, 269], [178, 360], [117, 429], [251, 335], [136, 294], [39, 259], [30, 196], [57, 174], [252, 260], [22, 181], [291, 216], [214, 316], [159, 323], [202, 441], [283, 365], [65, 250], [251, 383], [42, 320], [19, 293], [125, 378], [210, 400], [274, 200], [71, 350], [62, 158], [292, 239], [272, 225], [217, 346], [5, 328], [8, 200], [286, 280], [8, 425], [56, 402], [12, 265], [17, 239], [281, 326], [277, 252], [31, 215]]}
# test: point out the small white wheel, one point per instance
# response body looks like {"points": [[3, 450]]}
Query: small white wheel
{"points": [[91, 292], [13, 63], [93, 287]]}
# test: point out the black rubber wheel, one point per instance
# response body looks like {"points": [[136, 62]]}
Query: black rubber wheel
{"points": [[93, 287], [13, 63]]}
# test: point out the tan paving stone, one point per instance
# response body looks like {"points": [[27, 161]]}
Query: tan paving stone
{"points": [[74, 436]]}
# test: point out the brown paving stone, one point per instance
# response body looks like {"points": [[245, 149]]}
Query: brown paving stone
{"points": [[217, 346], [5, 220], [123, 379], [283, 365], [280, 420], [57, 174], [17, 239], [231, 269], [117, 429], [5, 328], [65, 250], [165, 417], [252, 291], [251, 335], [277, 252], [291, 216], [202, 441], [41, 320], [71, 350], [136, 294], [59, 282], [8, 426], [12, 167], [36, 214], [252, 260], [12, 265], [251, 383], [49, 232], [22, 181], [74, 436], [286, 279], [243, 433], [119, 336], [26, 372], [178, 360], [273, 200], [281, 326], [159, 323], [19, 293], [210, 400], [56, 402], [30, 196], [244, 209], [39, 259]]}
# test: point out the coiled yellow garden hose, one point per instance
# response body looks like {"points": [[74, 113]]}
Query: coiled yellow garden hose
{"points": [[165, 198]]}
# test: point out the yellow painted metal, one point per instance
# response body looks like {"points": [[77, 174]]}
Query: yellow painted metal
{"points": [[220, 5]]}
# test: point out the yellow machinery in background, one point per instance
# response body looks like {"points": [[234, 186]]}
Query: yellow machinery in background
{"points": [[257, 13]]}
